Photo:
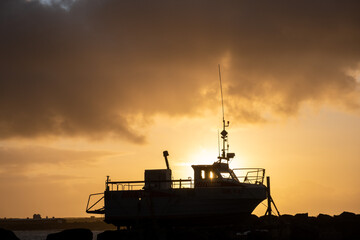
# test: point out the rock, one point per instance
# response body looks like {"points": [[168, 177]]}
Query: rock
{"points": [[301, 216], [286, 218], [301, 231], [71, 234], [330, 235], [270, 219], [258, 235], [7, 235], [324, 217], [252, 218], [348, 215], [325, 220], [347, 223], [117, 235]]}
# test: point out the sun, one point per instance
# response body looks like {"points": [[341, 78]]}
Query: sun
{"points": [[204, 156]]}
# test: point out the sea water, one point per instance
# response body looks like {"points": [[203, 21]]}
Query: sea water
{"points": [[42, 234]]}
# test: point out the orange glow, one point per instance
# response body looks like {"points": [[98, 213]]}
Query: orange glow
{"points": [[204, 156], [302, 155], [102, 89]]}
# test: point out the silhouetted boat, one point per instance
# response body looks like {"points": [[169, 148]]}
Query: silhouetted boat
{"points": [[216, 195]]}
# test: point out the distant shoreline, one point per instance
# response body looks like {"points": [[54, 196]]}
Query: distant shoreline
{"points": [[98, 224], [18, 224], [298, 226]]}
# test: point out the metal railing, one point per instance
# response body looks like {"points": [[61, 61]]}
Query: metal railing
{"points": [[139, 185], [250, 175], [244, 175], [90, 209]]}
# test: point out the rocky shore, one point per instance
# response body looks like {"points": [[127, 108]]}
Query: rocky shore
{"points": [[55, 224], [286, 227]]}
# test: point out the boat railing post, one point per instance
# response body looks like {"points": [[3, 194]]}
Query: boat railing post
{"points": [[268, 195], [107, 183], [189, 178], [262, 180]]}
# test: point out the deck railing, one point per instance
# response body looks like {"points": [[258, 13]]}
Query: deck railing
{"points": [[244, 175], [139, 185], [250, 175], [93, 208]]}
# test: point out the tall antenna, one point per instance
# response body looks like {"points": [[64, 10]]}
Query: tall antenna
{"points": [[218, 136], [225, 155], [222, 99]]}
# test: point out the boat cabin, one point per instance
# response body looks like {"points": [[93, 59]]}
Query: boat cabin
{"points": [[215, 175]]}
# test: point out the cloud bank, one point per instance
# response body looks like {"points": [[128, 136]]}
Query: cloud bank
{"points": [[22, 160], [104, 68]]}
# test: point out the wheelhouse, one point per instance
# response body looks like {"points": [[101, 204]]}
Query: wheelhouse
{"points": [[215, 175]]}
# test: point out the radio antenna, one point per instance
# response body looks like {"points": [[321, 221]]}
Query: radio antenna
{"points": [[225, 155], [222, 99], [218, 136]]}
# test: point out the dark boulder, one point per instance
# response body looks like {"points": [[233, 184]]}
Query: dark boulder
{"points": [[257, 235], [325, 221], [121, 234], [301, 231], [324, 217], [347, 223], [286, 218], [7, 235], [71, 234], [301, 216], [269, 220], [252, 219], [347, 216]]}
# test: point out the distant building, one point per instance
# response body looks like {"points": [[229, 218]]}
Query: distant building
{"points": [[36, 216]]}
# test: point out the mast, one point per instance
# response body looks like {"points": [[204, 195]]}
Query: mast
{"points": [[225, 155]]}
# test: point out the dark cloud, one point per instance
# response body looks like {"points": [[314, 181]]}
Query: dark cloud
{"points": [[103, 68], [20, 159]]}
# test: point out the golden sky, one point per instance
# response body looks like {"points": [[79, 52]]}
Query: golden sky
{"points": [[94, 88]]}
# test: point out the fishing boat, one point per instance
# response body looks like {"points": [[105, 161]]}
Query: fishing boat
{"points": [[216, 194]]}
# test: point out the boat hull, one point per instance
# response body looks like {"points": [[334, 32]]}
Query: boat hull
{"points": [[183, 206]]}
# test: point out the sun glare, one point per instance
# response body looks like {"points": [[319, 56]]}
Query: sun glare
{"points": [[204, 156]]}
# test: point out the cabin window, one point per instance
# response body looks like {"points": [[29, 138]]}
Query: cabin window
{"points": [[213, 175], [226, 175], [202, 174]]}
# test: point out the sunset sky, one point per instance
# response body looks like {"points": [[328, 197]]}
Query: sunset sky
{"points": [[90, 88]]}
